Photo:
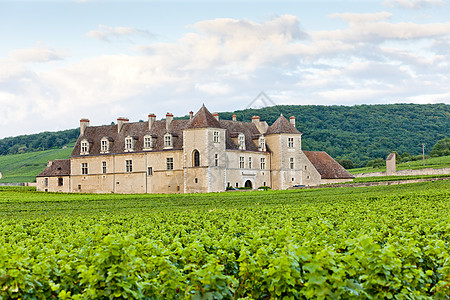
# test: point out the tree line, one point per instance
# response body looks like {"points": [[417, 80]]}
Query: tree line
{"points": [[354, 135]]}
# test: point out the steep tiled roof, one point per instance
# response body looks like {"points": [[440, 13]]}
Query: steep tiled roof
{"points": [[327, 167], [282, 125], [59, 167], [203, 119], [94, 134]]}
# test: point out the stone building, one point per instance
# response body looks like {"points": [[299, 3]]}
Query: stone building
{"points": [[201, 154]]}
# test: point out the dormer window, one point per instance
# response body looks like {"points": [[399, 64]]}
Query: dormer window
{"points": [[262, 144], [84, 147], [241, 141], [168, 140], [148, 142], [104, 146], [129, 144]]}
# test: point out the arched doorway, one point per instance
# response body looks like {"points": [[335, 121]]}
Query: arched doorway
{"points": [[248, 184], [196, 158]]}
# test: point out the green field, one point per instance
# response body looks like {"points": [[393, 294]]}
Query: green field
{"points": [[433, 162], [342, 243], [24, 167]]}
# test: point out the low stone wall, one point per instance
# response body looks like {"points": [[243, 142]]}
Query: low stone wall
{"points": [[18, 184], [12, 184], [409, 172], [364, 184]]}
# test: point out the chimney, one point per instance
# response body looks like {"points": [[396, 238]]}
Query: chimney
{"points": [[216, 115], [84, 123], [234, 117], [169, 119], [255, 119], [120, 122], [191, 115], [292, 120], [49, 164], [151, 120]]}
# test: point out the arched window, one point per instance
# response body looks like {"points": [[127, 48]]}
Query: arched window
{"points": [[196, 158]]}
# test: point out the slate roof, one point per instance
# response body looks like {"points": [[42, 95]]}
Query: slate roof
{"points": [[59, 167], [327, 167], [390, 156], [282, 125]]}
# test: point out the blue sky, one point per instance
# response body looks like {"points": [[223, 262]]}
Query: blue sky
{"points": [[61, 61]]}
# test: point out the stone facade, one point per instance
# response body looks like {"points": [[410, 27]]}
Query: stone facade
{"points": [[199, 155]]}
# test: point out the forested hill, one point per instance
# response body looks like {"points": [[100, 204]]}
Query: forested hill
{"points": [[38, 141], [360, 133]]}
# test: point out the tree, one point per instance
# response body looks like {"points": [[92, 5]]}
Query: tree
{"points": [[441, 148]]}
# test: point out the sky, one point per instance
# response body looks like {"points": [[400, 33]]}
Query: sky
{"points": [[64, 60]]}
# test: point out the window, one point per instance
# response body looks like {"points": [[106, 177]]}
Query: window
{"points": [[104, 167], [196, 180], [263, 163], [216, 160], [129, 165], [45, 181], [290, 142], [216, 136], [148, 143], [60, 181], [104, 147], [169, 161], [241, 162], [129, 144], [168, 140], [262, 144], [249, 162], [84, 168], [149, 171], [84, 147], [291, 163], [241, 141], [196, 158]]}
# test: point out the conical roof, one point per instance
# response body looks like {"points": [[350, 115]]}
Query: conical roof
{"points": [[282, 125], [203, 119]]}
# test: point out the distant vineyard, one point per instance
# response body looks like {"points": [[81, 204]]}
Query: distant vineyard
{"points": [[359, 243]]}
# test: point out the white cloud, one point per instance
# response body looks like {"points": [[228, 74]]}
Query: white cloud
{"points": [[39, 53], [225, 63], [413, 4], [106, 33]]}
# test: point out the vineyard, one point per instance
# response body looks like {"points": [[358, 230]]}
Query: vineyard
{"points": [[389, 242]]}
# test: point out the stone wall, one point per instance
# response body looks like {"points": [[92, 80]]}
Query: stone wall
{"points": [[409, 172]]}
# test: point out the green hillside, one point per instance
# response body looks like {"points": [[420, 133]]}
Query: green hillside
{"points": [[357, 134], [362, 133], [433, 162], [24, 167]]}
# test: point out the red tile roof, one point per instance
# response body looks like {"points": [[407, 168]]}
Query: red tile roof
{"points": [[327, 167]]}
